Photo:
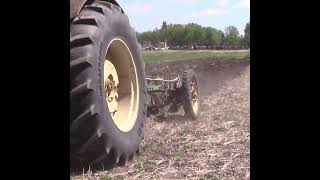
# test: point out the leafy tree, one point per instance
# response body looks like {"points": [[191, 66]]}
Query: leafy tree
{"points": [[247, 34], [164, 25], [231, 36], [192, 33]]}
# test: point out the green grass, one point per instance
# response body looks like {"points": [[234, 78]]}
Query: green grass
{"points": [[176, 55]]}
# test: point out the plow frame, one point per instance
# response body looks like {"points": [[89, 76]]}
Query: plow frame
{"points": [[164, 95]]}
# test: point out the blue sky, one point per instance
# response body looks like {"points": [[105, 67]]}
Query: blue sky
{"points": [[148, 14]]}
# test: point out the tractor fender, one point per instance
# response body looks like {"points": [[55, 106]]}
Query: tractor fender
{"points": [[76, 6]]}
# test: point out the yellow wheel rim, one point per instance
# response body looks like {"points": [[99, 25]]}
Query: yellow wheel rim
{"points": [[194, 95], [121, 85]]}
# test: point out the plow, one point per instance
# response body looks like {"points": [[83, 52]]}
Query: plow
{"points": [[170, 93]]}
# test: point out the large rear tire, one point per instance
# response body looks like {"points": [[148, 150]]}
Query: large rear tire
{"points": [[107, 87]]}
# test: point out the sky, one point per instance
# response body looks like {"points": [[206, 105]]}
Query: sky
{"points": [[147, 15]]}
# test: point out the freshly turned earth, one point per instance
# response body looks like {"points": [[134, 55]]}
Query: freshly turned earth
{"points": [[215, 146]]}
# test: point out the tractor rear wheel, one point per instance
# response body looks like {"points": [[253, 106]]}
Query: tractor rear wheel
{"points": [[191, 95], [107, 87]]}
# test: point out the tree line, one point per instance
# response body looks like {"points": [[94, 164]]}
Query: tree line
{"points": [[192, 34]]}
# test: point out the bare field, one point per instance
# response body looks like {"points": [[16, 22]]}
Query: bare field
{"points": [[215, 146]]}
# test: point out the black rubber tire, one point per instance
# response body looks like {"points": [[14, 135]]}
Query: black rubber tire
{"points": [[94, 137], [187, 76]]}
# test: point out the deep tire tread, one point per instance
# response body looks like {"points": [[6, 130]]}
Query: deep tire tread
{"points": [[80, 63], [85, 21], [88, 142], [80, 40], [81, 89], [95, 8], [109, 5], [82, 117]]}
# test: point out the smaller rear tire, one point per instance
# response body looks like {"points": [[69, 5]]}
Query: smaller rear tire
{"points": [[191, 94]]}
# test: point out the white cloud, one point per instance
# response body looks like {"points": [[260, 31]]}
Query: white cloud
{"points": [[211, 12], [222, 3], [219, 9], [138, 8], [243, 4], [185, 1]]}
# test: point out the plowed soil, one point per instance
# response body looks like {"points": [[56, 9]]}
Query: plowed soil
{"points": [[215, 146]]}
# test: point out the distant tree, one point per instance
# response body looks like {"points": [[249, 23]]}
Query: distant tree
{"points": [[163, 32], [221, 38], [164, 25], [155, 37], [247, 34], [188, 35], [208, 32], [216, 37], [199, 35], [242, 41], [231, 36], [192, 33], [176, 35], [144, 37]]}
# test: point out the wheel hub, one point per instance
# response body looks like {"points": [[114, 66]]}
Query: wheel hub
{"points": [[111, 82]]}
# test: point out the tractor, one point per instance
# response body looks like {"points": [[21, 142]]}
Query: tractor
{"points": [[108, 86]]}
